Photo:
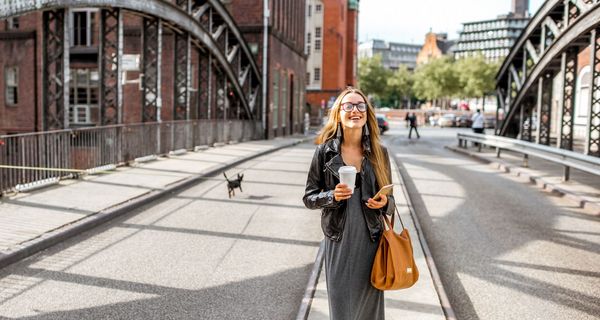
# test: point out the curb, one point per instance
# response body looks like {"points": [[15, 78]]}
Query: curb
{"points": [[538, 181], [65, 232], [311, 287], [435, 276]]}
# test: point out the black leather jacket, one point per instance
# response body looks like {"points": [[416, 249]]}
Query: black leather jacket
{"points": [[322, 179]]}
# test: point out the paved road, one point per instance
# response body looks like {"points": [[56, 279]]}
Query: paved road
{"points": [[196, 255], [504, 249]]}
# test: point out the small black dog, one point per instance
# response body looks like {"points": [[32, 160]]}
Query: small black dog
{"points": [[231, 185]]}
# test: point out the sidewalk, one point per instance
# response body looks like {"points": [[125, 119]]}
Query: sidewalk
{"points": [[420, 302], [30, 222], [582, 188]]}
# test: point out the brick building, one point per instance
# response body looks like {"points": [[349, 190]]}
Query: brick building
{"points": [[332, 48], [286, 61], [435, 46]]}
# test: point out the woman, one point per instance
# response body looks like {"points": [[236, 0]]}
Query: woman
{"points": [[351, 221]]}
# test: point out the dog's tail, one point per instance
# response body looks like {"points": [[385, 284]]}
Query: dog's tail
{"points": [[225, 176]]}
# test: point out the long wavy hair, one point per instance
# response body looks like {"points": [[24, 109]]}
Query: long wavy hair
{"points": [[376, 157]]}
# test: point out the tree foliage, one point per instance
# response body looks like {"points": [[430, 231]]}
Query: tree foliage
{"points": [[441, 78]]}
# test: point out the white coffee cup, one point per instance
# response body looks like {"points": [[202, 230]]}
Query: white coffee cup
{"points": [[348, 176]]}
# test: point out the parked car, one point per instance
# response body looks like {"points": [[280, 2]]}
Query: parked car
{"points": [[489, 122], [382, 123], [447, 120], [464, 121]]}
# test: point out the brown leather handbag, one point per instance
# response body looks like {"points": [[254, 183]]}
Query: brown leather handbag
{"points": [[394, 265]]}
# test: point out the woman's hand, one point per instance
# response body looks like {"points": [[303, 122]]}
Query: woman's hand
{"points": [[342, 192], [374, 204]]}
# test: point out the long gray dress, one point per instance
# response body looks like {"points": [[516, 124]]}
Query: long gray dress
{"points": [[348, 265]]}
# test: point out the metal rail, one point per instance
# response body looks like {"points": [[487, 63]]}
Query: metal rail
{"points": [[32, 157], [568, 159]]}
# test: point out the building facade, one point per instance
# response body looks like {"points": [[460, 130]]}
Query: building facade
{"points": [[332, 49], [393, 54], [286, 60], [436, 45], [493, 38]]}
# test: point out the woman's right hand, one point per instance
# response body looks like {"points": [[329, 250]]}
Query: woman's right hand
{"points": [[342, 192]]}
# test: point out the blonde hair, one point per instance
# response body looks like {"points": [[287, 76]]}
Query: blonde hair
{"points": [[376, 157]]}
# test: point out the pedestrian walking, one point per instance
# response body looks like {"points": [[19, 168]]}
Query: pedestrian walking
{"points": [[477, 120], [413, 125], [350, 217]]}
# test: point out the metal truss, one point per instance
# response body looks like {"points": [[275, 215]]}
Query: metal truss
{"points": [[569, 72], [544, 100], [111, 36], [55, 70], [151, 43], [203, 110], [181, 61], [593, 137], [526, 122]]}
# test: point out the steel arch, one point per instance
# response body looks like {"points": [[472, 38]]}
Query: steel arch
{"points": [[557, 28], [177, 17]]}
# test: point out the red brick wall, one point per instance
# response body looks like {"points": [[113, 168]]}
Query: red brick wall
{"points": [[351, 47], [20, 53]]}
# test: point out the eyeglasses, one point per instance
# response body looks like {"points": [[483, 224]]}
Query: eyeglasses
{"points": [[349, 106]]}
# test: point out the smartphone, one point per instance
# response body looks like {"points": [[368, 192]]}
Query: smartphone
{"points": [[384, 190]]}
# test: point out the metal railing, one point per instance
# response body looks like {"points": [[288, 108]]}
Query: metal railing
{"points": [[32, 157], [568, 159]]}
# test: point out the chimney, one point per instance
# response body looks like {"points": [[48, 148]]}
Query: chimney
{"points": [[520, 8]]}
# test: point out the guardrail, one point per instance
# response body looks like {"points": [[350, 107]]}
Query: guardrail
{"points": [[568, 159], [30, 158]]}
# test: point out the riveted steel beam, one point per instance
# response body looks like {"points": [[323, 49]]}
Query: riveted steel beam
{"points": [[55, 97], [567, 103], [593, 125], [152, 46], [111, 38]]}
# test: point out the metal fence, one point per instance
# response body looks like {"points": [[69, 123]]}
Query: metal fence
{"points": [[31, 157], [568, 159]]}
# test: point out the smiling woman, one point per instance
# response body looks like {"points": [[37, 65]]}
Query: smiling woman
{"points": [[350, 217]]}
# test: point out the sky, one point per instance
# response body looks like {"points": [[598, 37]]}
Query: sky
{"points": [[407, 21]]}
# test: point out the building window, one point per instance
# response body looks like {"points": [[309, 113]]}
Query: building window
{"points": [[82, 28], [318, 45], [309, 10], [83, 95], [317, 74], [12, 23], [318, 8], [308, 78], [12, 85], [317, 32], [308, 38], [308, 49]]}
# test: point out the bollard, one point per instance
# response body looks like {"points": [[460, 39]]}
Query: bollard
{"points": [[566, 173], [479, 146], [525, 161], [498, 149]]}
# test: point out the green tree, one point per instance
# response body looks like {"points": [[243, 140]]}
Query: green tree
{"points": [[436, 80], [372, 76], [399, 86], [476, 76]]}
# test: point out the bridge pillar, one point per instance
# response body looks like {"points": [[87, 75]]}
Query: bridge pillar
{"points": [[152, 47], [544, 108], [111, 51], [566, 107], [593, 126], [55, 66]]}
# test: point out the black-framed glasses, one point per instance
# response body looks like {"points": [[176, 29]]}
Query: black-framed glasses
{"points": [[348, 106]]}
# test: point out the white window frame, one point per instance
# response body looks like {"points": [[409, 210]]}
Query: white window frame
{"points": [[11, 85]]}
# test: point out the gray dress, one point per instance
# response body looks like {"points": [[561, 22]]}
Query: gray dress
{"points": [[348, 265]]}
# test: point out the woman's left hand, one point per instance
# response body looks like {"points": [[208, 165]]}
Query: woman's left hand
{"points": [[374, 204]]}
